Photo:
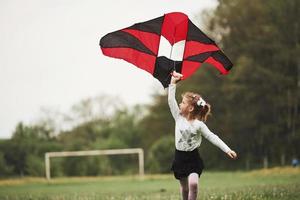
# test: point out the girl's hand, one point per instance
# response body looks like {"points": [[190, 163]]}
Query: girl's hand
{"points": [[175, 77], [232, 154]]}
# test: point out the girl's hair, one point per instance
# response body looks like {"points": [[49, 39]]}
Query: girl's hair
{"points": [[200, 111]]}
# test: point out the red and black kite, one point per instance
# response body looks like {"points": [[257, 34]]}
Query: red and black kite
{"points": [[167, 43]]}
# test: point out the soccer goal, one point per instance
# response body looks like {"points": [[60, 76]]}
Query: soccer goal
{"points": [[138, 151]]}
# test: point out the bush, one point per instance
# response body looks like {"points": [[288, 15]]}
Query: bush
{"points": [[35, 166], [161, 155], [5, 170]]}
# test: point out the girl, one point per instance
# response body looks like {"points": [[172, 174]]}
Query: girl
{"points": [[189, 127]]}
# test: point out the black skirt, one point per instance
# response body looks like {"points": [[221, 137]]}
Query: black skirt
{"points": [[187, 162]]}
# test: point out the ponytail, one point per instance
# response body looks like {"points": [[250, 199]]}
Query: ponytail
{"points": [[204, 112]]}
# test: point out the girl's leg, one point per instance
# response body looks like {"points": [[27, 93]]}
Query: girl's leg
{"points": [[193, 186], [184, 188]]}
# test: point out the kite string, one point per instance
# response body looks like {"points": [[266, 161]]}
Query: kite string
{"points": [[174, 68], [170, 56], [174, 62]]}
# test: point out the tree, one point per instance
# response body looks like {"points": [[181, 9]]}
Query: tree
{"points": [[24, 153], [262, 38]]}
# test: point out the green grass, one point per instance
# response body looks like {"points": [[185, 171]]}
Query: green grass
{"points": [[277, 183]]}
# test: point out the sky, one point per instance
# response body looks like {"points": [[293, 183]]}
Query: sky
{"points": [[50, 55]]}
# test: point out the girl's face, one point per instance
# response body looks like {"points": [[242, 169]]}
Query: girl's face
{"points": [[184, 107]]}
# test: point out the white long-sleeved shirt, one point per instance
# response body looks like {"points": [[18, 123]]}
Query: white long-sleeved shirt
{"points": [[188, 135]]}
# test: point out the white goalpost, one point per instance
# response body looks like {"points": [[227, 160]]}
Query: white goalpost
{"points": [[138, 151]]}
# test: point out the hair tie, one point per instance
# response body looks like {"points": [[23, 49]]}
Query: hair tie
{"points": [[201, 102]]}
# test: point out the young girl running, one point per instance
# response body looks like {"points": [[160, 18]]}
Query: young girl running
{"points": [[189, 128]]}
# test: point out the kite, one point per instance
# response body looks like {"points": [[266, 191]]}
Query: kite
{"points": [[164, 44]]}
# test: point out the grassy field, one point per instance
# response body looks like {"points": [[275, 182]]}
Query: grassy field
{"points": [[276, 183]]}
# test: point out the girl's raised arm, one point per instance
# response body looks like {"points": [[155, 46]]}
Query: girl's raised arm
{"points": [[171, 94], [172, 101]]}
